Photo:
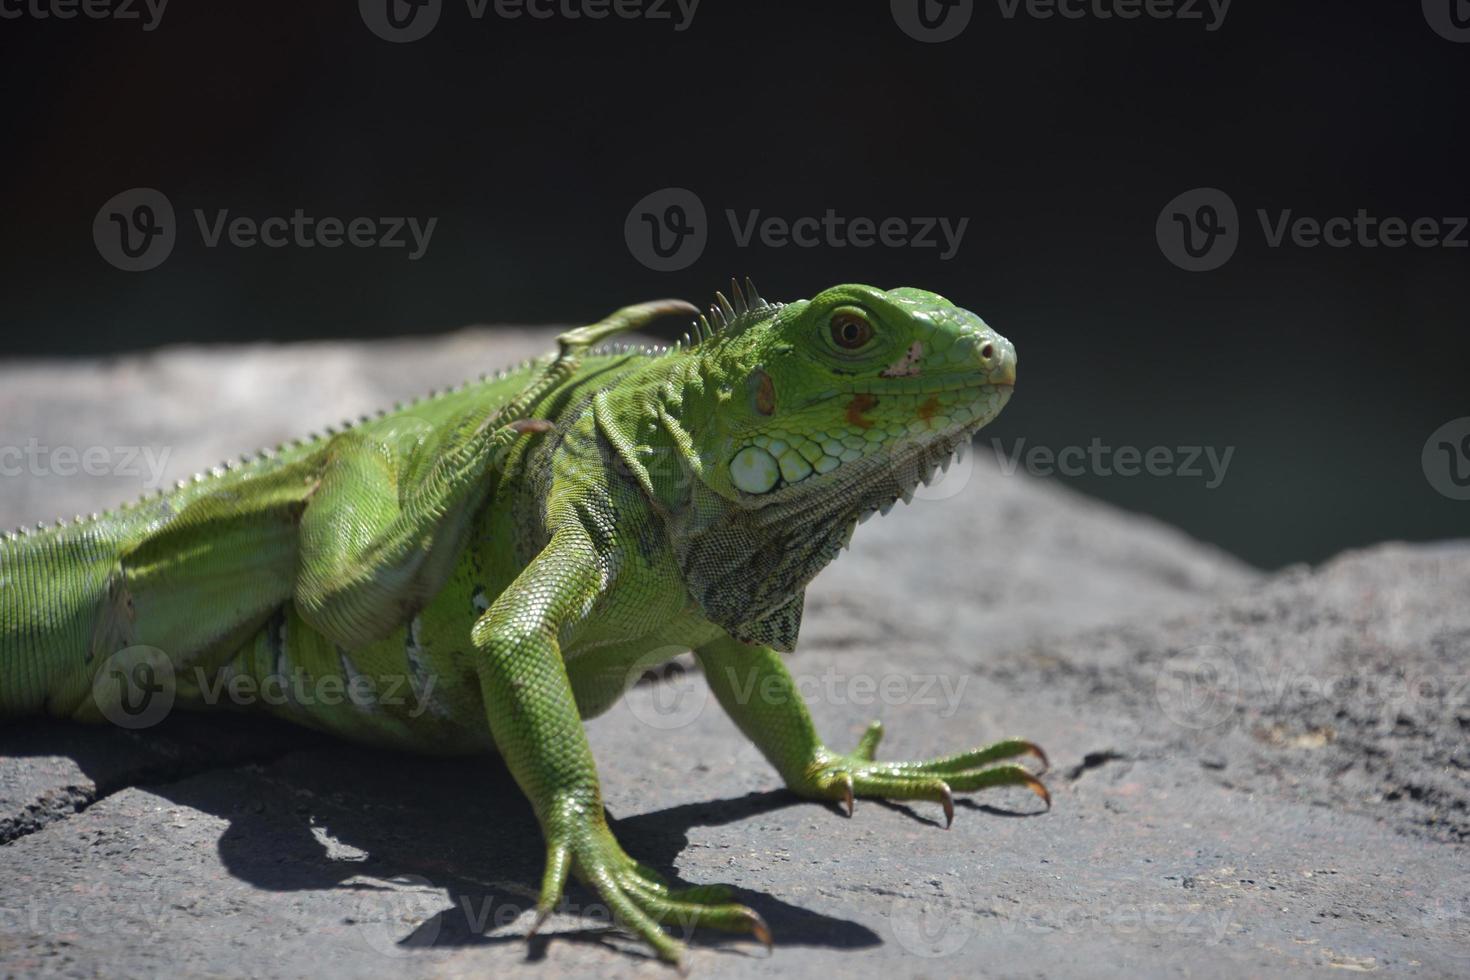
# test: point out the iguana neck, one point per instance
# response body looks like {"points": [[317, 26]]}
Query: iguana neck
{"points": [[744, 562], [633, 417]]}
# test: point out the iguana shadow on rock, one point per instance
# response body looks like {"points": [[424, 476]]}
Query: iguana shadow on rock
{"points": [[308, 812]]}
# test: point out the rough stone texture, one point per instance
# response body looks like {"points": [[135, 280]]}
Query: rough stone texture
{"points": [[1250, 774]]}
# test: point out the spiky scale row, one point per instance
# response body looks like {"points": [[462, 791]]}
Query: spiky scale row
{"points": [[263, 454], [726, 316]]}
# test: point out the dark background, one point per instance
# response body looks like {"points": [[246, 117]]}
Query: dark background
{"points": [[1061, 141]]}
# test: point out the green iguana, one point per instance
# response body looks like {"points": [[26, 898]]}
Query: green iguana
{"points": [[516, 548]]}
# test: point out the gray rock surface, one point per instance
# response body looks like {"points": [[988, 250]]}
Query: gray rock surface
{"points": [[1251, 774]]}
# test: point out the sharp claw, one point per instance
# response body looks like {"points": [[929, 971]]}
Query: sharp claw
{"points": [[947, 801], [1034, 785], [762, 932], [847, 792], [524, 426], [1035, 750], [541, 916]]}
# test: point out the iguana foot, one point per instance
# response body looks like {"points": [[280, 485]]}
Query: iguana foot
{"points": [[637, 895], [842, 777]]}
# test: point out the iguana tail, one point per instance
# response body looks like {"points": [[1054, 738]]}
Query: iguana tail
{"points": [[53, 585]]}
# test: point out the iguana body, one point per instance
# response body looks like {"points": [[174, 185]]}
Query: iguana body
{"points": [[482, 569]]}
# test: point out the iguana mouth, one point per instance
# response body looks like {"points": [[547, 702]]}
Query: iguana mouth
{"points": [[872, 484], [917, 386]]}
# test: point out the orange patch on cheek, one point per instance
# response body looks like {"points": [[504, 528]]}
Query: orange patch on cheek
{"points": [[765, 395], [855, 409], [928, 408]]}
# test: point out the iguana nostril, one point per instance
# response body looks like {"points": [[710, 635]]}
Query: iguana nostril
{"points": [[988, 351]]}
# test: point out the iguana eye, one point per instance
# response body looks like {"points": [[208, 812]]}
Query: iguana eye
{"points": [[850, 330]]}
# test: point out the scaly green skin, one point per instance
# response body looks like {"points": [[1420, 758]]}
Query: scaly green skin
{"points": [[514, 552]]}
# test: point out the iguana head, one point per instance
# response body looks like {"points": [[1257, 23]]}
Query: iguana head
{"points": [[824, 411], [858, 392]]}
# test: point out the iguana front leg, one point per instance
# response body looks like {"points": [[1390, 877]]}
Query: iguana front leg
{"points": [[537, 728], [756, 690], [384, 525]]}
